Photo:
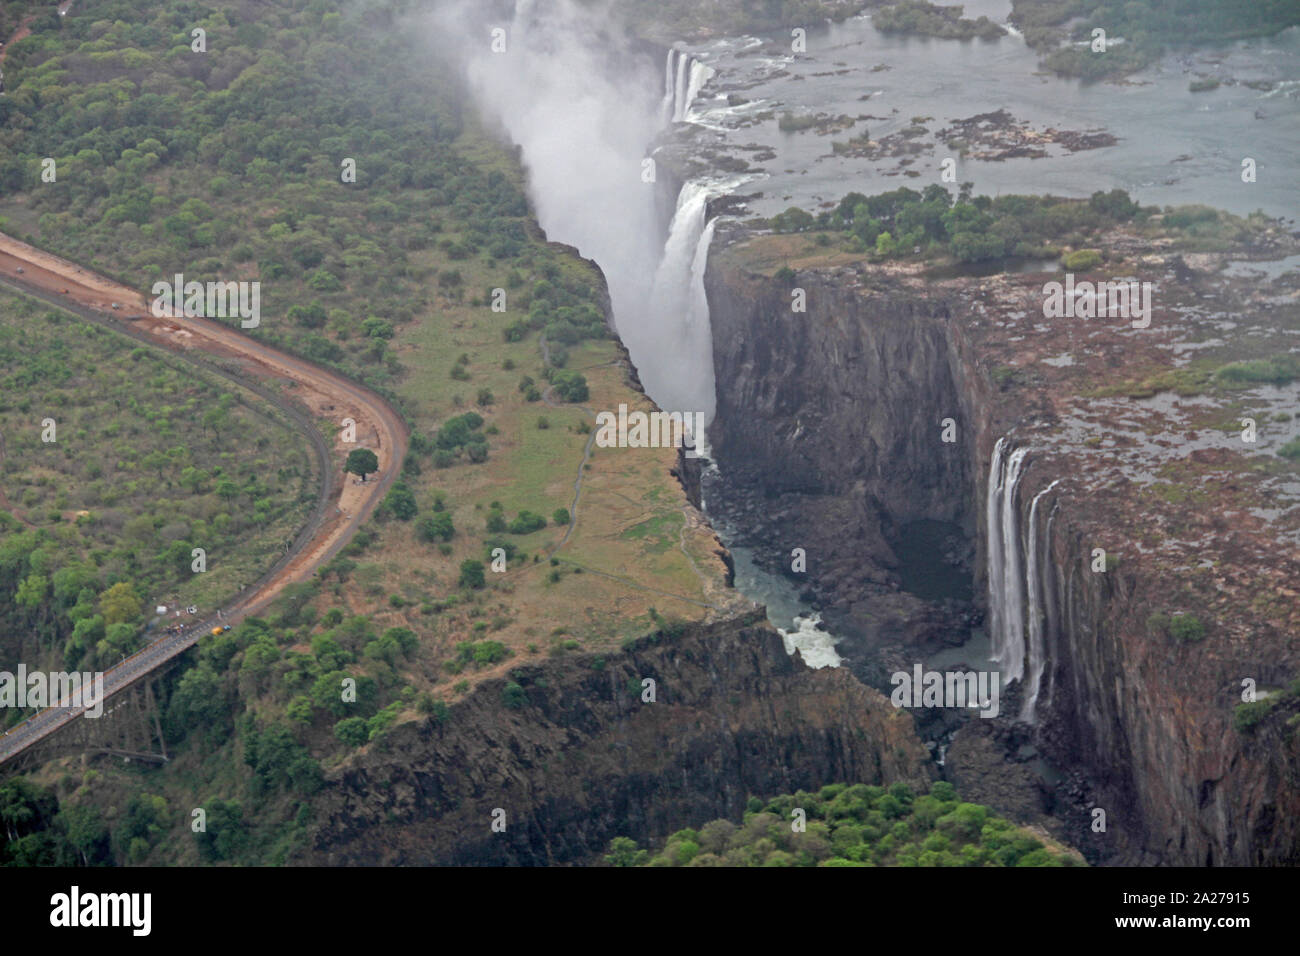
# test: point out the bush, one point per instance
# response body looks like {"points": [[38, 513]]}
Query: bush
{"points": [[1081, 260], [352, 731], [400, 502], [514, 696], [561, 516], [1280, 370], [570, 386], [1186, 628], [527, 523], [471, 574], [435, 526], [1248, 715]]}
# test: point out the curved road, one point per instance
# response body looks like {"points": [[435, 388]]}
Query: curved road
{"points": [[317, 394]]}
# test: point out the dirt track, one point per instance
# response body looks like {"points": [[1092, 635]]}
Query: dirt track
{"points": [[317, 394]]}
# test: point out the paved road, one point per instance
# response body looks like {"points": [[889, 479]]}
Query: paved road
{"points": [[341, 508]]}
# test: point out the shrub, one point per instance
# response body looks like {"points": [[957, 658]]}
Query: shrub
{"points": [[527, 523], [1081, 260], [514, 696], [570, 386], [352, 731], [561, 516], [1248, 715], [1186, 628], [471, 574], [400, 502], [435, 526]]}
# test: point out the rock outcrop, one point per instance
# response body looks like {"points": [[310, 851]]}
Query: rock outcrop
{"points": [[584, 758]]}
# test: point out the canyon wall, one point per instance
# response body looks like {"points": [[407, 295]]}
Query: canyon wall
{"points": [[828, 437], [829, 433], [585, 759]]}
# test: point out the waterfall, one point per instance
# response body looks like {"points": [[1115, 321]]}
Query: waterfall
{"points": [[699, 75], [699, 334], [1006, 566], [993, 516], [668, 108], [684, 77], [1022, 598], [678, 310], [680, 106], [1037, 653]]}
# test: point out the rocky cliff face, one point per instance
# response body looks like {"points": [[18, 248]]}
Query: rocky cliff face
{"points": [[828, 437], [585, 759], [829, 431]]}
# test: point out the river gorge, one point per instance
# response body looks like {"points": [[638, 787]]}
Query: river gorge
{"points": [[914, 468]]}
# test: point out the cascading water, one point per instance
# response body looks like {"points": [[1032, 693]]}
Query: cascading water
{"points": [[684, 77], [993, 520], [699, 75], [680, 106], [1022, 603], [583, 108], [1038, 573], [677, 296], [668, 106], [1006, 566], [1009, 642]]}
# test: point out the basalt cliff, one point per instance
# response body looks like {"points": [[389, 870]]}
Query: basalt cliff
{"points": [[596, 752], [1123, 500]]}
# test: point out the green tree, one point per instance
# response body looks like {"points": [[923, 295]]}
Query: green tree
{"points": [[570, 386], [352, 731], [362, 462], [120, 604], [435, 526], [400, 502], [623, 851]]}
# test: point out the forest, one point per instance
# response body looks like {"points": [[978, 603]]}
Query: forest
{"points": [[854, 825]]}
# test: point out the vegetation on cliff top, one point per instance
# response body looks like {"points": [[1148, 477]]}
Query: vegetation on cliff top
{"points": [[669, 20], [854, 825], [1146, 29], [903, 223], [928, 19]]}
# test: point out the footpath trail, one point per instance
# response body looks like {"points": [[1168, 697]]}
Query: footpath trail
{"points": [[316, 395]]}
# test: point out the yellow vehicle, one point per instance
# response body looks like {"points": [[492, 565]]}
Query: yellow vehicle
{"points": [[215, 631]]}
